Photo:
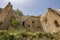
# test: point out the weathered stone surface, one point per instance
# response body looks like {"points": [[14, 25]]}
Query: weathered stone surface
{"points": [[51, 21], [30, 23], [5, 12], [5, 16], [1, 10]]}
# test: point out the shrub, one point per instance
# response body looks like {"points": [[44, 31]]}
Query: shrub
{"points": [[4, 35], [23, 35], [49, 36], [15, 22], [40, 35], [19, 12]]}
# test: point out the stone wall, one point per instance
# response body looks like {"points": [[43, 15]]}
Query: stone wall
{"points": [[30, 23], [51, 23]]}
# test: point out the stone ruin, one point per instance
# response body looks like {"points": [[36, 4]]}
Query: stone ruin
{"points": [[50, 22], [28, 23]]}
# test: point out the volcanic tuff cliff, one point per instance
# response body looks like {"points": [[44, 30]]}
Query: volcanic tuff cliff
{"points": [[28, 23], [9, 19]]}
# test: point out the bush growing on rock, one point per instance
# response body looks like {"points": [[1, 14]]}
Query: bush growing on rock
{"points": [[15, 22]]}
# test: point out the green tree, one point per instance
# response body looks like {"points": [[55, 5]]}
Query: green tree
{"points": [[19, 12]]}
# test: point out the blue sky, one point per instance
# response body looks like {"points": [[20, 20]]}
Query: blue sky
{"points": [[32, 7]]}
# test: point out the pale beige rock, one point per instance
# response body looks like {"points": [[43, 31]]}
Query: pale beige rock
{"points": [[5, 16], [51, 21]]}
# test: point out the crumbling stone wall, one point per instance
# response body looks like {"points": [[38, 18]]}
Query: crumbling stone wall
{"points": [[52, 21], [30, 23], [35, 24]]}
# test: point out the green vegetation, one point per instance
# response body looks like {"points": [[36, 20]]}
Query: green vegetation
{"points": [[15, 22], [24, 35], [19, 12]]}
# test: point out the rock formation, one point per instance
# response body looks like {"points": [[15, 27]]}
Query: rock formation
{"points": [[51, 21], [28, 23], [5, 16]]}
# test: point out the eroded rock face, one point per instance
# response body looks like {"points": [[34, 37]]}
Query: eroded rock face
{"points": [[51, 21], [28, 23], [1, 10], [5, 12], [5, 16]]}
